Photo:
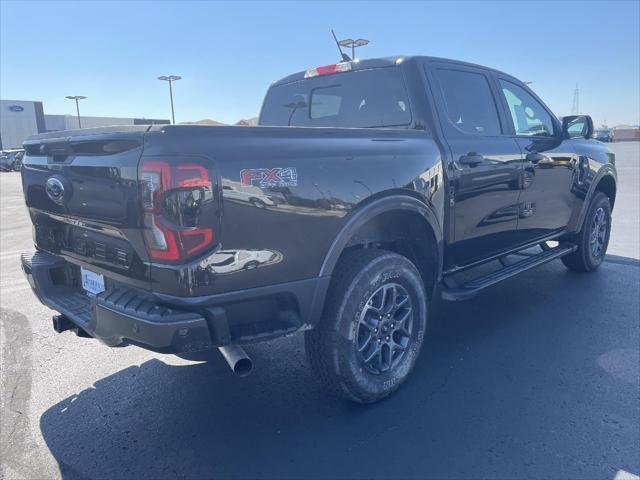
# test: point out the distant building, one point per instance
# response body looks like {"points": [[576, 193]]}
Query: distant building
{"points": [[19, 119], [623, 133]]}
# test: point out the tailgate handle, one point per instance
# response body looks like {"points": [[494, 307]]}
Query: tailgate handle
{"points": [[59, 151]]}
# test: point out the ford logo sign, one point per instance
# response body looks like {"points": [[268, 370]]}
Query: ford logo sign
{"points": [[16, 108], [55, 190]]}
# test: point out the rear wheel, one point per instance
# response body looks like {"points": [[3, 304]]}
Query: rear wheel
{"points": [[373, 326], [593, 238]]}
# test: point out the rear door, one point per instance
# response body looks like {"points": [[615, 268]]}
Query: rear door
{"points": [[546, 201], [486, 167]]}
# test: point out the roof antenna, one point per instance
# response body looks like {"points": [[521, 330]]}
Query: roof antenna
{"points": [[345, 57]]}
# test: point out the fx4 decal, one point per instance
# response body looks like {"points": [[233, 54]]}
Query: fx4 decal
{"points": [[270, 177]]}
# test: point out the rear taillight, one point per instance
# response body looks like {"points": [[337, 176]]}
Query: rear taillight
{"points": [[176, 200]]}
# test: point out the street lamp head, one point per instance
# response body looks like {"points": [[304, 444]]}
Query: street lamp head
{"points": [[352, 44], [346, 42], [169, 78], [75, 97]]}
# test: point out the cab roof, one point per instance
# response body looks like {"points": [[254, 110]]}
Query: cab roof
{"points": [[386, 62]]}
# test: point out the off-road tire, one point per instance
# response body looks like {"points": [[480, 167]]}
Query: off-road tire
{"points": [[330, 346], [584, 259]]}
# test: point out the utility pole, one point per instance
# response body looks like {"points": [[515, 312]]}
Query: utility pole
{"points": [[575, 108]]}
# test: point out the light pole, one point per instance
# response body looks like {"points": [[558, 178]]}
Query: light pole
{"points": [[348, 42], [171, 79], [76, 98]]}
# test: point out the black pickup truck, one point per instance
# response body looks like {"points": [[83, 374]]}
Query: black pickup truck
{"points": [[367, 188]]}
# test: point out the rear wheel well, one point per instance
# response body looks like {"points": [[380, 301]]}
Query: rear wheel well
{"points": [[406, 233], [607, 185]]}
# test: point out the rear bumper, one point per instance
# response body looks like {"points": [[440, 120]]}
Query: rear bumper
{"points": [[121, 315]]}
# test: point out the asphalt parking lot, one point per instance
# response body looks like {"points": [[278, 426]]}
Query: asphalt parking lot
{"points": [[536, 378]]}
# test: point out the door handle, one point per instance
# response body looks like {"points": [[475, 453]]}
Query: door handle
{"points": [[534, 157], [471, 158]]}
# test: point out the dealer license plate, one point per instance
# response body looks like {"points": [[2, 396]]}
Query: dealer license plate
{"points": [[92, 282]]}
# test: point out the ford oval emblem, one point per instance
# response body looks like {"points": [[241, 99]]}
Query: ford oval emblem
{"points": [[16, 108], [55, 190]]}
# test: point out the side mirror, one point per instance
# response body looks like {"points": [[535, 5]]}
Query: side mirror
{"points": [[576, 126]]}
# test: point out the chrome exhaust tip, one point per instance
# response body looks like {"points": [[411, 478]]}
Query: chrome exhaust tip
{"points": [[237, 359]]}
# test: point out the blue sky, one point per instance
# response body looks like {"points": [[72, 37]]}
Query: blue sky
{"points": [[229, 53]]}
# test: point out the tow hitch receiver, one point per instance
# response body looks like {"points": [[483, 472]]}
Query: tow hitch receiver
{"points": [[62, 323]]}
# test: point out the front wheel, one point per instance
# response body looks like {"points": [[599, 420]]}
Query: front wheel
{"points": [[593, 238], [373, 326]]}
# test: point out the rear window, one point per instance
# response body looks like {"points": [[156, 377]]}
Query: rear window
{"points": [[469, 102], [363, 99]]}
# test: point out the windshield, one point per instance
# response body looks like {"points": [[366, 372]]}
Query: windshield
{"points": [[365, 98]]}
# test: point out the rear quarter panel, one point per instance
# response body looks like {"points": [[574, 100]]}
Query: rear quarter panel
{"points": [[285, 235]]}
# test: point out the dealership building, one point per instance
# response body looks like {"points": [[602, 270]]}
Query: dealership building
{"points": [[19, 119]]}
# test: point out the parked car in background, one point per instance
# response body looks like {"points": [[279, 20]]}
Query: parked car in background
{"points": [[17, 160], [603, 135], [5, 163], [11, 160], [246, 193], [229, 261]]}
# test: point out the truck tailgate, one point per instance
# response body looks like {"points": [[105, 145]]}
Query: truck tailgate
{"points": [[81, 189]]}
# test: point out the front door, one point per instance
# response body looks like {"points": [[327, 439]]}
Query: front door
{"points": [[486, 167], [546, 201]]}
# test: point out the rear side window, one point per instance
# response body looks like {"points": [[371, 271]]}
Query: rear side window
{"points": [[469, 103], [359, 99]]}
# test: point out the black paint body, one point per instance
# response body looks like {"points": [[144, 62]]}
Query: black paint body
{"points": [[291, 237]]}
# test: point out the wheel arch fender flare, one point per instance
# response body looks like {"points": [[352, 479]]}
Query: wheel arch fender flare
{"points": [[606, 173], [364, 213]]}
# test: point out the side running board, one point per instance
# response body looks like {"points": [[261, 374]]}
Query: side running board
{"points": [[471, 288]]}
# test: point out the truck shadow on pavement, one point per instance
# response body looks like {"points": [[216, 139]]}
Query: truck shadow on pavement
{"points": [[536, 378]]}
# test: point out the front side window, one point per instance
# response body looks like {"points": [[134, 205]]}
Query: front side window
{"points": [[359, 99], [469, 104], [529, 117]]}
